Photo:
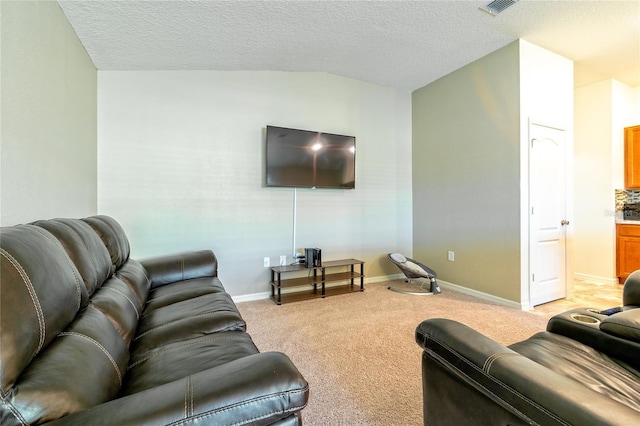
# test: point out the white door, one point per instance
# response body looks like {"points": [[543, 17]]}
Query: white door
{"points": [[547, 209]]}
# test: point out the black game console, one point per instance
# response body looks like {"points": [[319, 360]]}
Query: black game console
{"points": [[312, 257]]}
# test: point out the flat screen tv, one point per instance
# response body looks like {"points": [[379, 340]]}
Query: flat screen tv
{"points": [[307, 159]]}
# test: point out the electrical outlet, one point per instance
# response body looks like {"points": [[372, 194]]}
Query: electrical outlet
{"points": [[451, 256], [283, 259], [267, 262]]}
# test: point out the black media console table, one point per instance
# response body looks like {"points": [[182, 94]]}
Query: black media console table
{"points": [[315, 275]]}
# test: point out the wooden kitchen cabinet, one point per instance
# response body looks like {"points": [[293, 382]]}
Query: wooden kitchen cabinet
{"points": [[627, 250], [632, 157]]}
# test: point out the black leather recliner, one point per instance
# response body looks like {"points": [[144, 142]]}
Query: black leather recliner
{"points": [[583, 370]]}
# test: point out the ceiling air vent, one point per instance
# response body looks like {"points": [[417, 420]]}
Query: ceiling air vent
{"points": [[497, 6]]}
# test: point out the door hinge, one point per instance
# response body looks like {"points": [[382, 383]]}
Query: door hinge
{"points": [[533, 277]]}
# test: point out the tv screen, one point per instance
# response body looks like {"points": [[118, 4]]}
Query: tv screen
{"points": [[307, 159]]}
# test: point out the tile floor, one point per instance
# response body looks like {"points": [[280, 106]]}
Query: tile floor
{"points": [[585, 295]]}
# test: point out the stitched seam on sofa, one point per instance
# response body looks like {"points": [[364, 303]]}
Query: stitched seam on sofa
{"points": [[474, 383], [500, 384], [492, 379], [34, 298], [204, 314], [126, 297], [188, 397], [615, 368], [494, 357], [246, 403], [99, 346], [256, 400], [74, 270], [16, 413], [184, 345]]}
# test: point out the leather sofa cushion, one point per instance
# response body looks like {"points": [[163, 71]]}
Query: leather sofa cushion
{"points": [[175, 361], [84, 247], [196, 327], [185, 310], [116, 300], [583, 364], [188, 319], [260, 389], [52, 387], [133, 275], [168, 294], [42, 292]]}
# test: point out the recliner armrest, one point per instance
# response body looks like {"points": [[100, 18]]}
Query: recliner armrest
{"points": [[262, 388], [469, 377], [625, 324], [182, 266], [609, 339]]}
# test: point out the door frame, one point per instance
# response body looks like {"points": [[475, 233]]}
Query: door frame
{"points": [[526, 267]]}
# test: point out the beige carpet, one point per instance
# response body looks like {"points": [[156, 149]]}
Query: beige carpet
{"points": [[358, 351]]}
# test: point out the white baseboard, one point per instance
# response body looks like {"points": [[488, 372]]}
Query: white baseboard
{"points": [[267, 294], [444, 284], [595, 279], [484, 296], [251, 297]]}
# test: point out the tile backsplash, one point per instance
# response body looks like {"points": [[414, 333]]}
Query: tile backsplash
{"points": [[624, 196]]}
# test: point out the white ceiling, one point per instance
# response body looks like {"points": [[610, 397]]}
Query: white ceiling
{"points": [[403, 44]]}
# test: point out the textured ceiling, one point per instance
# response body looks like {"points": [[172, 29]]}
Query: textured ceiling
{"points": [[403, 44]]}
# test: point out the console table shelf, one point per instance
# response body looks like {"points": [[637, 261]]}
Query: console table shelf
{"points": [[317, 278]]}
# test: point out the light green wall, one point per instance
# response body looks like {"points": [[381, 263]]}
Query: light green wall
{"points": [[48, 117], [466, 175]]}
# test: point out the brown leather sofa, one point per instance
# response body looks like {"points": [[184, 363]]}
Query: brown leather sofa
{"points": [[89, 336], [584, 370]]}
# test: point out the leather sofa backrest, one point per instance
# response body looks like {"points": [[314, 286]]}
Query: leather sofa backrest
{"points": [[134, 275], [113, 237], [85, 248], [68, 316], [118, 302], [124, 294], [82, 367], [41, 293]]}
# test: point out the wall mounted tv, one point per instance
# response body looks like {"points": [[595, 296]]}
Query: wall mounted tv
{"points": [[306, 159]]}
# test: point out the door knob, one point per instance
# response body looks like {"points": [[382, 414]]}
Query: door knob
{"points": [[564, 222]]}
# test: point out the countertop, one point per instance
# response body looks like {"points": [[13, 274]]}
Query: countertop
{"points": [[627, 222], [621, 221]]}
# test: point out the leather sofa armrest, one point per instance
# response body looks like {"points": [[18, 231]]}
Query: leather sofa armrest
{"points": [[625, 324], [181, 266], [469, 377], [587, 326], [263, 388]]}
